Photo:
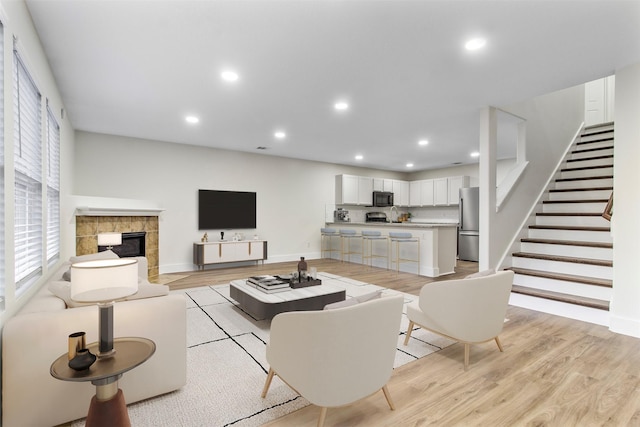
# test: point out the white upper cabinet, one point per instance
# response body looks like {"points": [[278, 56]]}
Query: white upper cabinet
{"points": [[415, 195], [455, 184], [378, 184], [387, 185], [354, 190], [400, 193], [426, 192], [441, 192]]}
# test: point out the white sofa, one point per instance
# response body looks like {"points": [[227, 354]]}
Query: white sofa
{"points": [[38, 335]]}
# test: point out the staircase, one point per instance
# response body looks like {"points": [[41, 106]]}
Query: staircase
{"points": [[565, 265]]}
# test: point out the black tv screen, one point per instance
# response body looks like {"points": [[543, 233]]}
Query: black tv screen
{"points": [[226, 209]]}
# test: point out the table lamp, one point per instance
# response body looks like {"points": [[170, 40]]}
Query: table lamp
{"points": [[103, 282], [109, 240]]}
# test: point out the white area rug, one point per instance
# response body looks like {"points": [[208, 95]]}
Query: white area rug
{"points": [[227, 365]]}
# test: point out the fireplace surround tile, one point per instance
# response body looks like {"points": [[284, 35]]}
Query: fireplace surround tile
{"points": [[88, 228]]}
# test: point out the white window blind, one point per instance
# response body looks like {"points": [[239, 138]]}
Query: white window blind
{"points": [[28, 230], [53, 188], [2, 203]]}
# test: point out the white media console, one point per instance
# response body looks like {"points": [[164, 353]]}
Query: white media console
{"points": [[228, 251]]}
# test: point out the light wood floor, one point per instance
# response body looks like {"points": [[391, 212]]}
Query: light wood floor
{"points": [[553, 372]]}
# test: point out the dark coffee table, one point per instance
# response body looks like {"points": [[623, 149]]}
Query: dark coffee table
{"points": [[262, 305]]}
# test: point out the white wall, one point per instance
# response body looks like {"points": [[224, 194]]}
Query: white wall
{"points": [[291, 194], [552, 122], [625, 304]]}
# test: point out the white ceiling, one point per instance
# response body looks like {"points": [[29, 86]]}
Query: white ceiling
{"points": [[137, 68]]}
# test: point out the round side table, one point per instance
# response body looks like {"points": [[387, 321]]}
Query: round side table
{"points": [[107, 407]]}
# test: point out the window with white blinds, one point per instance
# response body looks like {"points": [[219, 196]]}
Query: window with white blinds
{"points": [[53, 188], [2, 227], [28, 231]]}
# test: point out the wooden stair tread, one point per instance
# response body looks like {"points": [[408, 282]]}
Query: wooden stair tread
{"points": [[593, 141], [574, 260], [568, 214], [600, 125], [576, 201], [563, 276], [566, 190], [603, 245], [582, 178], [557, 296], [570, 227]]}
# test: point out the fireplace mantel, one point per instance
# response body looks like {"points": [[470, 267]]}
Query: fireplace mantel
{"points": [[100, 211]]}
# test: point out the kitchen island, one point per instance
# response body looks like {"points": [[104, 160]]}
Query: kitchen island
{"points": [[438, 244]]}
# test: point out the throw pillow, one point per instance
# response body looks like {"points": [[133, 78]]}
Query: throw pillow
{"points": [[92, 257], [482, 273], [62, 290]]}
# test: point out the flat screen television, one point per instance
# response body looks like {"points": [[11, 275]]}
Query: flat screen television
{"points": [[221, 210]]}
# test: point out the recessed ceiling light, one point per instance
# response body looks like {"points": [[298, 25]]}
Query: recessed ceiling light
{"points": [[475, 154], [341, 106], [475, 44], [229, 76], [192, 119], [409, 165], [423, 142], [280, 134], [359, 157]]}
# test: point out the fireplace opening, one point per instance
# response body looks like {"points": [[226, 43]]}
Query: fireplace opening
{"points": [[133, 244]]}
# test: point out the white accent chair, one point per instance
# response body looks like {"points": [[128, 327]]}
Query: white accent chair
{"points": [[336, 357], [469, 311]]}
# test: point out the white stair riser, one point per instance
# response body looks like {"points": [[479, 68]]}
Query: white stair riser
{"points": [[587, 173], [591, 145], [578, 221], [599, 135], [587, 154], [580, 195], [564, 287], [577, 235], [571, 311], [586, 270], [588, 207], [589, 163], [568, 250], [585, 183]]}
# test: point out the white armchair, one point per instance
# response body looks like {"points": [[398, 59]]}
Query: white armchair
{"points": [[336, 357], [470, 310]]}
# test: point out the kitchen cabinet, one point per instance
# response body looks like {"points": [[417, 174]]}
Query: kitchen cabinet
{"points": [[354, 190], [378, 184], [455, 184], [400, 193], [387, 185], [415, 193], [441, 192], [205, 253], [426, 192]]}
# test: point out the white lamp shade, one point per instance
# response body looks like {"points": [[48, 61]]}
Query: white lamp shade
{"points": [[109, 239], [104, 280]]}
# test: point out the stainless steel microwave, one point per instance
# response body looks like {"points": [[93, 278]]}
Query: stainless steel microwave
{"points": [[382, 198]]}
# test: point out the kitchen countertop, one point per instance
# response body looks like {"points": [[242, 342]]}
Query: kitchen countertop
{"points": [[397, 224]]}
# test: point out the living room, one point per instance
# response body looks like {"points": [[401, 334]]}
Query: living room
{"points": [[103, 170]]}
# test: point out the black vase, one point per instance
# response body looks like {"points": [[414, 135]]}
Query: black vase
{"points": [[84, 358]]}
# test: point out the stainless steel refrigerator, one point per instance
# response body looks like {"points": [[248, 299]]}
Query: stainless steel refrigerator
{"points": [[469, 226]]}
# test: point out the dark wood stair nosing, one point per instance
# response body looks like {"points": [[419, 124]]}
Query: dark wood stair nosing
{"points": [[575, 201], [569, 214], [571, 228], [558, 258], [584, 178], [567, 190], [594, 141], [591, 150], [563, 277], [560, 297], [586, 159]]}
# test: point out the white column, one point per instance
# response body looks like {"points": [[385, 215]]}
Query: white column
{"points": [[625, 303], [487, 180]]}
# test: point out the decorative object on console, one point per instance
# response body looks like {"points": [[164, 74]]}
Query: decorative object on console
{"points": [[82, 360], [205, 238], [222, 236], [109, 240], [77, 342], [302, 269], [103, 282]]}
